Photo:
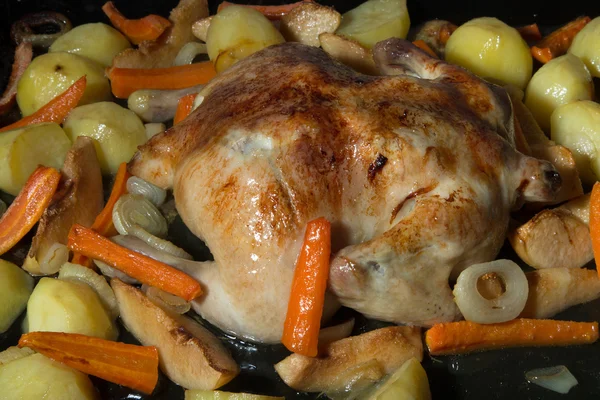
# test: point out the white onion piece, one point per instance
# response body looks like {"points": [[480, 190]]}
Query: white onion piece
{"points": [[558, 378], [188, 52], [78, 273], [505, 307], [334, 333], [152, 192], [111, 272], [197, 102], [158, 243], [134, 209], [154, 128], [166, 301], [14, 353], [55, 257], [2, 207]]}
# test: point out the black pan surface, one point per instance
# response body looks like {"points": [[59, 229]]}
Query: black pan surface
{"points": [[488, 375]]}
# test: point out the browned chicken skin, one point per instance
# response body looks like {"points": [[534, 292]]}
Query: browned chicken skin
{"points": [[417, 173]]}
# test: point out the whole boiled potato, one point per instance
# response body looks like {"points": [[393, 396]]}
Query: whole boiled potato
{"points": [[38, 377], [586, 46], [560, 81], [577, 126], [96, 41], [15, 287], [51, 74], [491, 49], [64, 306], [117, 130], [23, 149]]}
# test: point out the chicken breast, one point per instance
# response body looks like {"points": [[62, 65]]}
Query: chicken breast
{"points": [[416, 171]]}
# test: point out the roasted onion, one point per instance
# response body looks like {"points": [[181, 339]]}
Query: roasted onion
{"points": [[23, 31], [153, 105], [134, 209], [2, 207], [188, 52], [505, 307], [23, 56], [14, 353], [153, 193], [166, 301], [54, 258], [154, 128], [557, 378], [111, 272], [158, 243]]}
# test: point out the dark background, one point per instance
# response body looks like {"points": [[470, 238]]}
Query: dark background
{"points": [[492, 375]]}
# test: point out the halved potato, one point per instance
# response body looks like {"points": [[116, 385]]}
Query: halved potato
{"points": [[189, 354], [14, 353], [586, 45], [306, 22], [15, 288]]}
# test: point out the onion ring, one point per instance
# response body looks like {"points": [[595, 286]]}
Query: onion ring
{"points": [[22, 30], [23, 56]]}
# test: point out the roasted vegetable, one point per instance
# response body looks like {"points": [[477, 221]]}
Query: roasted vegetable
{"points": [[117, 132], [200, 28], [408, 382], [218, 395], [50, 74], [586, 46], [15, 287], [306, 22], [348, 52]]}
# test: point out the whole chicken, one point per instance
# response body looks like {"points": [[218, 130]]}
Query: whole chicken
{"points": [[416, 170]]}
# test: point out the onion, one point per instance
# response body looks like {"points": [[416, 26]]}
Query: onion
{"points": [[558, 378], [22, 31], [197, 102], [78, 273], [111, 272], [23, 56], [334, 333], [55, 257], [134, 209], [158, 243], [14, 353], [188, 52], [153, 193], [154, 128], [505, 307], [2, 207], [153, 105], [165, 300]]}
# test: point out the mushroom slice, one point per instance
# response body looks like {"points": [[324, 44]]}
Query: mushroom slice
{"points": [[306, 22], [82, 202], [554, 290], [189, 354], [200, 28], [555, 238], [367, 358], [349, 52], [161, 52]]}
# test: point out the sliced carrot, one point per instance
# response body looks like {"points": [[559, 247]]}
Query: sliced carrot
{"points": [[558, 42], [305, 307], [145, 269], [425, 47], [125, 81], [530, 32], [466, 336], [56, 110], [271, 12], [137, 30], [23, 56], [184, 107], [125, 364], [28, 207], [595, 223]]}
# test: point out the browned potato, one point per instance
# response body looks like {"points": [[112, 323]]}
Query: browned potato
{"points": [[306, 22], [348, 52]]}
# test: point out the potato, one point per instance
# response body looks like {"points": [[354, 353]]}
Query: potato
{"points": [[218, 395], [98, 42], [64, 306], [491, 49], [15, 287], [577, 126], [38, 377], [51, 74], [117, 130], [374, 21], [306, 22], [586, 46], [23, 149], [408, 382], [236, 32], [560, 81]]}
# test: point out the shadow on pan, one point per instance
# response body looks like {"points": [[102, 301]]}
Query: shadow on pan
{"points": [[490, 375]]}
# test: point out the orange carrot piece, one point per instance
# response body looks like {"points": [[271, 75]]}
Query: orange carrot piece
{"points": [[557, 43], [595, 223], [137, 30], [28, 207], [145, 269], [466, 336], [56, 110], [425, 47], [125, 81], [184, 107], [125, 364], [530, 32], [271, 12], [305, 308]]}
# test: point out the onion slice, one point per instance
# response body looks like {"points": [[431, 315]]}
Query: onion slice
{"points": [[23, 56], [152, 192], [336, 332], [188, 52], [166, 301], [505, 307], [557, 378], [132, 209], [14, 353], [55, 257], [22, 31], [111, 272], [158, 243]]}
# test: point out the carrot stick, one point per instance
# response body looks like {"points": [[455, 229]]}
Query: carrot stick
{"points": [[530, 32], [145, 269], [125, 81], [305, 308], [28, 207], [557, 43], [56, 110], [466, 336], [425, 47], [184, 107], [137, 30], [271, 12], [595, 223], [23, 56], [125, 364]]}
